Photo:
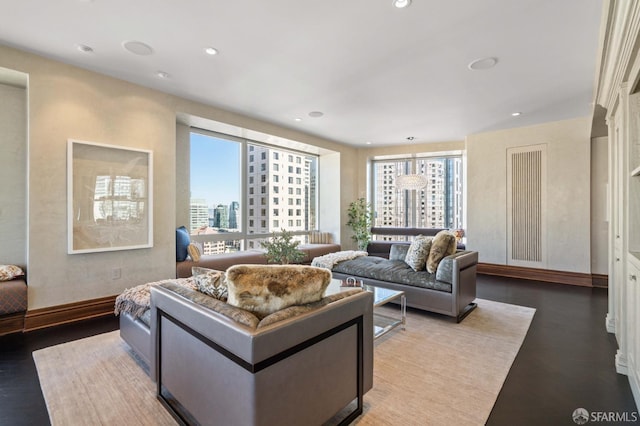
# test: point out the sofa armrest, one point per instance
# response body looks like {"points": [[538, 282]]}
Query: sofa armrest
{"points": [[449, 268]]}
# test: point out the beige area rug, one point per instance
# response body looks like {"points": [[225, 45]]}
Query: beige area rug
{"points": [[435, 372]]}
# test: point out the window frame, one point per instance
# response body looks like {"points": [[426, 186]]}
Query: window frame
{"points": [[416, 203], [246, 202]]}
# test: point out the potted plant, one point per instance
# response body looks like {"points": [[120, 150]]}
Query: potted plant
{"points": [[360, 220], [281, 249]]}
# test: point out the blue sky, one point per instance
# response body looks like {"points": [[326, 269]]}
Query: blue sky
{"points": [[215, 165]]}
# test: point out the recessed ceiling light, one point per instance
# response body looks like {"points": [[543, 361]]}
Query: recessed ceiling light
{"points": [[483, 64], [297, 119], [515, 114], [316, 114], [162, 74], [401, 4], [211, 51], [84, 48], [138, 48], [368, 142]]}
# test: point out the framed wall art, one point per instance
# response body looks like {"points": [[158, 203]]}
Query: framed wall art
{"points": [[109, 197]]}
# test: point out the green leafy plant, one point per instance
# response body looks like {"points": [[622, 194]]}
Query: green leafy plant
{"points": [[282, 249], [360, 220]]}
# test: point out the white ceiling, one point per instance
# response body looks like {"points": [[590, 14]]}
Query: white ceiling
{"points": [[379, 74]]}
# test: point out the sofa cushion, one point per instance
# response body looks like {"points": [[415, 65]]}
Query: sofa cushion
{"points": [[398, 251], [241, 316], [182, 242], [418, 252], [393, 271], [211, 282], [9, 272], [444, 244], [13, 297], [264, 289], [296, 310]]}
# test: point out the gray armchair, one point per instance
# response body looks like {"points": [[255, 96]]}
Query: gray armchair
{"points": [[211, 369]]}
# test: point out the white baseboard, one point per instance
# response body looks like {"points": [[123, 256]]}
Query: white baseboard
{"points": [[610, 323], [621, 363], [634, 382]]}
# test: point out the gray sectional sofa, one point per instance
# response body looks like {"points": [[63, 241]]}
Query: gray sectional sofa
{"points": [[300, 370], [451, 290], [217, 364]]}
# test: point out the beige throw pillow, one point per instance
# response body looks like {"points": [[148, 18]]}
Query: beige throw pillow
{"points": [[194, 249], [264, 289], [444, 244], [418, 252]]}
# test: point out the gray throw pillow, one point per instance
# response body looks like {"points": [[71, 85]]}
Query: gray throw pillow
{"points": [[398, 251]]}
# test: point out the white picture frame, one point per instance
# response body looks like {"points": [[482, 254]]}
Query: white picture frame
{"points": [[109, 197]]}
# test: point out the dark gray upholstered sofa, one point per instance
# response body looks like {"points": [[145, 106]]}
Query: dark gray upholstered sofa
{"points": [[217, 364], [451, 290]]}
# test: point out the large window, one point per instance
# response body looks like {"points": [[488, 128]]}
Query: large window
{"points": [[438, 205], [221, 193]]}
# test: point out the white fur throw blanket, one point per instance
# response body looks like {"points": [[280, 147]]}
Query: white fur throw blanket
{"points": [[329, 260], [136, 300]]}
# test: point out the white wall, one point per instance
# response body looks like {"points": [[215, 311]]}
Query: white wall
{"points": [[568, 192], [13, 175]]}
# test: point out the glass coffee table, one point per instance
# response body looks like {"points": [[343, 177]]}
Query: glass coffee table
{"points": [[382, 323]]}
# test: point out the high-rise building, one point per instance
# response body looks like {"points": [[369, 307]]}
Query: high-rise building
{"points": [[221, 217], [234, 215], [279, 191], [438, 205], [199, 214]]}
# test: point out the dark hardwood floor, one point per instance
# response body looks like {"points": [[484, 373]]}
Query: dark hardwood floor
{"points": [[566, 361]]}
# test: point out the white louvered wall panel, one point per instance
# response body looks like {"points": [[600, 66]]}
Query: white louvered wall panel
{"points": [[526, 212]]}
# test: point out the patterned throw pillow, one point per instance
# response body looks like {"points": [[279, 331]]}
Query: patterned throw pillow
{"points": [[418, 252], [444, 244], [210, 282], [9, 272]]}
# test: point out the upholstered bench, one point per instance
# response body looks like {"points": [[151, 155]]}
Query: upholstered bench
{"points": [[320, 244], [13, 299]]}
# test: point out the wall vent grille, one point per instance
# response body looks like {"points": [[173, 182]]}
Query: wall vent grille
{"points": [[526, 192]]}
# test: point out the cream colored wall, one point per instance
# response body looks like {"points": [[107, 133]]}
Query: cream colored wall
{"points": [[599, 200], [13, 174], [69, 102], [568, 192]]}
